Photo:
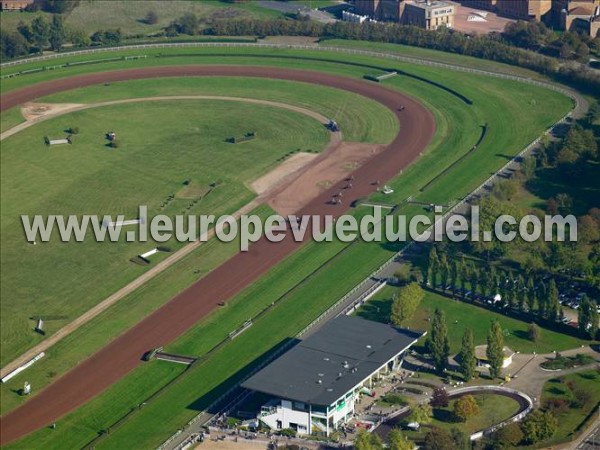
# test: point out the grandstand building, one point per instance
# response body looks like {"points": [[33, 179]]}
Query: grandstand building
{"points": [[315, 385]]}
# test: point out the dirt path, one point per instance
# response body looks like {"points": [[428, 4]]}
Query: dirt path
{"points": [[122, 355], [35, 113], [49, 111]]}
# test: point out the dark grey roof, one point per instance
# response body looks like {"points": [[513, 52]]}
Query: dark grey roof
{"points": [[341, 354]]}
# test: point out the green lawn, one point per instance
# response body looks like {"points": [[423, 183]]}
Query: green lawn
{"points": [[361, 119], [457, 126], [557, 388], [10, 118], [493, 409], [460, 315], [186, 141], [434, 55]]}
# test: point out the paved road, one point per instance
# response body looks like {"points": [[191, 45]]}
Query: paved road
{"points": [[592, 440]]}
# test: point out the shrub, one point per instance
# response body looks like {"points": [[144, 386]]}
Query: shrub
{"points": [[288, 432], [465, 408], [533, 332], [394, 399], [439, 398], [151, 18], [511, 434], [232, 422], [539, 426], [580, 397], [74, 130], [556, 405]]}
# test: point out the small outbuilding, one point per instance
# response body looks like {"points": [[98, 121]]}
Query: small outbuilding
{"points": [[482, 359]]}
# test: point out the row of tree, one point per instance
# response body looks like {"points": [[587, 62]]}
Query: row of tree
{"points": [[537, 36], [435, 439], [537, 297], [438, 347], [538, 426], [491, 47], [42, 34]]}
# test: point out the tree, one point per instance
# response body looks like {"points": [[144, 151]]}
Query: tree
{"points": [[402, 274], [12, 45], [59, 6], [444, 271], [566, 51], [406, 303], [463, 275], [439, 439], [438, 341], [107, 37], [40, 32], [465, 408], [461, 439], [57, 33], [439, 398], [422, 414], [588, 318], [531, 295], [553, 304], [508, 436], [151, 18], [539, 426], [495, 349], [533, 332], [397, 441], [474, 280], [588, 230], [583, 52], [79, 38], [432, 267], [521, 292], [25, 31], [454, 274], [187, 24], [367, 441], [467, 360]]}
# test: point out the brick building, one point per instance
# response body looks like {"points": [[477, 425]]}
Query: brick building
{"points": [[15, 5], [429, 14]]}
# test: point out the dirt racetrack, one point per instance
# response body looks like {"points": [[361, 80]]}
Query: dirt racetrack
{"points": [[114, 361]]}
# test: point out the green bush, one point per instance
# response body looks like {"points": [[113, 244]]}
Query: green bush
{"points": [[394, 399]]}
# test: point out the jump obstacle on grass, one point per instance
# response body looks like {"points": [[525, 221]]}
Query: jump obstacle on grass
{"points": [[379, 205], [20, 369], [121, 223], [39, 327], [179, 359], [143, 258], [50, 142], [251, 135], [378, 77], [240, 330]]}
